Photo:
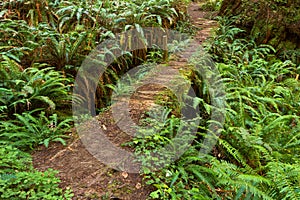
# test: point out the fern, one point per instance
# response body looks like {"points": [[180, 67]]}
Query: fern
{"points": [[286, 179]]}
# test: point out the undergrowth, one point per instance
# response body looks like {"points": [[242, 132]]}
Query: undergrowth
{"points": [[19, 180], [43, 44], [256, 154]]}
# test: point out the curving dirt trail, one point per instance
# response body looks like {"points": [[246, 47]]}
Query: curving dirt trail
{"points": [[89, 178]]}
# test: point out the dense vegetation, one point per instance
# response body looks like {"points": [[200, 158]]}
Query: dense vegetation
{"points": [[256, 156], [273, 22], [42, 45]]}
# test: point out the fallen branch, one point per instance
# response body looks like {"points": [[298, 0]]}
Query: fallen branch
{"points": [[62, 151]]}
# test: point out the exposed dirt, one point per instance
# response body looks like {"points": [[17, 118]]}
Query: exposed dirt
{"points": [[200, 19], [88, 177]]}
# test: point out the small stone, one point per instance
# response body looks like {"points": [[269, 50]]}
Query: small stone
{"points": [[138, 186], [125, 174]]}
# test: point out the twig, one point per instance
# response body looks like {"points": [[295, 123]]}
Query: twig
{"points": [[62, 151]]}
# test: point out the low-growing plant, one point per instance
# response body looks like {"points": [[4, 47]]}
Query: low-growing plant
{"points": [[19, 180], [36, 87], [29, 130], [256, 153], [212, 5], [13, 160]]}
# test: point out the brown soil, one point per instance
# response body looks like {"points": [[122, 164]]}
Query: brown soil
{"points": [[83, 173], [89, 178]]}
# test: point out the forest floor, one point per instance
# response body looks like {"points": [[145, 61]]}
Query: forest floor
{"points": [[83, 173]]}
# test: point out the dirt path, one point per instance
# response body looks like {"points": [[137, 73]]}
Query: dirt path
{"points": [[89, 178]]}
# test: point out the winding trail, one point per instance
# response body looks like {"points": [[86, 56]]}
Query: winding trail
{"points": [[89, 178]]}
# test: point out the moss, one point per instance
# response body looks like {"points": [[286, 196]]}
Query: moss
{"points": [[289, 45]]}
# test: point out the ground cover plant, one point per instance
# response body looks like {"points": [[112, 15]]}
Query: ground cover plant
{"points": [[256, 154], [43, 43], [19, 180]]}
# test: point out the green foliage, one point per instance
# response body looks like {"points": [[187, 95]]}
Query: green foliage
{"points": [[228, 46], [286, 180], [28, 130], [60, 33], [19, 180], [13, 160], [17, 39], [272, 22], [29, 99], [64, 51], [35, 87], [212, 5], [256, 156], [157, 131], [33, 185], [43, 43]]}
